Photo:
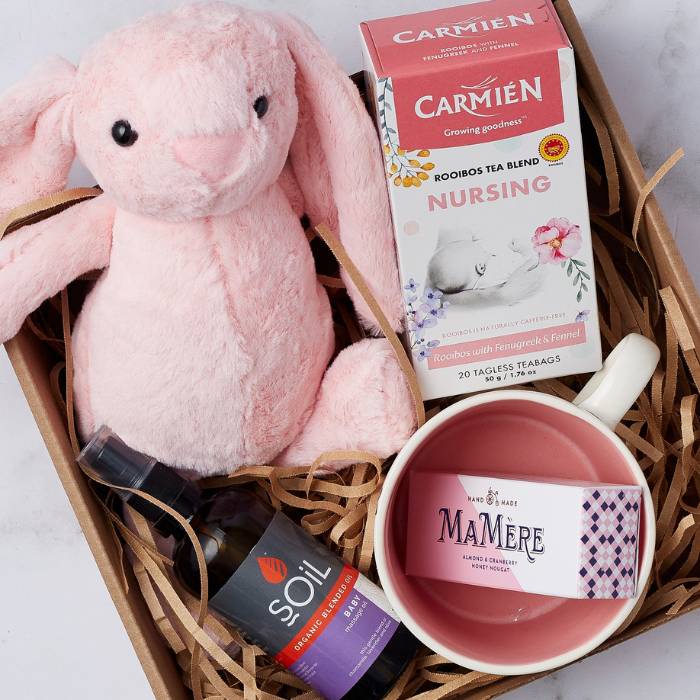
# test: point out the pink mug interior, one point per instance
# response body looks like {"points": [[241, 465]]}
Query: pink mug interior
{"points": [[499, 627]]}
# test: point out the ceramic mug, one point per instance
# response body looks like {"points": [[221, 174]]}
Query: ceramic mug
{"points": [[523, 433]]}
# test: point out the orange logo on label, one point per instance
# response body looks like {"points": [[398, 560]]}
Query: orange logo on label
{"points": [[273, 570], [554, 147]]}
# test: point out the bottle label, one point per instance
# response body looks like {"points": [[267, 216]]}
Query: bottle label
{"points": [[317, 616]]}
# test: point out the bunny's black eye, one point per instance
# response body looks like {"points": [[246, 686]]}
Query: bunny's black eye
{"points": [[123, 134], [261, 105]]}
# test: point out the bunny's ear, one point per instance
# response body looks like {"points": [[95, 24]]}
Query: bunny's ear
{"points": [[338, 165], [36, 149]]}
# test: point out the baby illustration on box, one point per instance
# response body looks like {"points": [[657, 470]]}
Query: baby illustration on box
{"points": [[468, 274]]}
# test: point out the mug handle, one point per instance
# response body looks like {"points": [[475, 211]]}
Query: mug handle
{"points": [[612, 390]]}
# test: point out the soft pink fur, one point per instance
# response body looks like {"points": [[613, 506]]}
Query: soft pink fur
{"points": [[206, 340], [35, 151]]}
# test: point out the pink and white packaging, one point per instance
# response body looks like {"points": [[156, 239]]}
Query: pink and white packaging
{"points": [[478, 113], [567, 539]]}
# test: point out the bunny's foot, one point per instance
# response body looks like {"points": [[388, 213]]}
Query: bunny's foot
{"points": [[363, 404]]}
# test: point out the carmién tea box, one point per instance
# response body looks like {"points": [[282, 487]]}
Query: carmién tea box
{"points": [[478, 114], [568, 539]]}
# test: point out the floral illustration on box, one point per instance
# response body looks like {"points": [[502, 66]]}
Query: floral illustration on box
{"points": [[558, 241], [423, 312], [582, 316], [404, 168]]}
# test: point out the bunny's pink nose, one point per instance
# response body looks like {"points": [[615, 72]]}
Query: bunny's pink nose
{"points": [[214, 157]]}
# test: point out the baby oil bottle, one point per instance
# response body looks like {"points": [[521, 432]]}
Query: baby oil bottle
{"points": [[280, 587]]}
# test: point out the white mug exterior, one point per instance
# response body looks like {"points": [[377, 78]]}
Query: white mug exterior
{"points": [[607, 394], [613, 389]]}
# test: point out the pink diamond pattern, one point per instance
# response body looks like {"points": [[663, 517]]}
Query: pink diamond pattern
{"points": [[609, 539]]}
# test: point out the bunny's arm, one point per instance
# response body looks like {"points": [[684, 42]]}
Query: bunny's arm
{"points": [[38, 261]]}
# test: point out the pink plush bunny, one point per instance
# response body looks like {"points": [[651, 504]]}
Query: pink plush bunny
{"points": [[207, 338]]}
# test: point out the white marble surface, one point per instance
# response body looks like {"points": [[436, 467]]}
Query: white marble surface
{"points": [[49, 583]]}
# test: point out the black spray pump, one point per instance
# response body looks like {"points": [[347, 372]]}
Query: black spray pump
{"points": [[114, 462], [282, 588]]}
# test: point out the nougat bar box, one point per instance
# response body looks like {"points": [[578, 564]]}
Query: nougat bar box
{"points": [[478, 114], [563, 538]]}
